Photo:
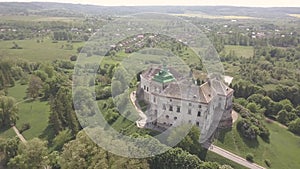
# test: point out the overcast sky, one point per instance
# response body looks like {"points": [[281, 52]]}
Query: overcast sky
{"points": [[252, 3]]}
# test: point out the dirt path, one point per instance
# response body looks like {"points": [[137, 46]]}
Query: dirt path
{"points": [[21, 137]]}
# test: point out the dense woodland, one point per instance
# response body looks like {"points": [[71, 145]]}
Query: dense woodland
{"points": [[267, 85]]}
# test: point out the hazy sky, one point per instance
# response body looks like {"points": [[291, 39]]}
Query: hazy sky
{"points": [[255, 3]]}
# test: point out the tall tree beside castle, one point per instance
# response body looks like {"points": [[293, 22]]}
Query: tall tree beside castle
{"points": [[62, 112]]}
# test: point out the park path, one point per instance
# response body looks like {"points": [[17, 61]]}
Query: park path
{"points": [[21, 137], [234, 157], [143, 118]]}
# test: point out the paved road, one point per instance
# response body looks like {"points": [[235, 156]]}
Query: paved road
{"points": [[21, 137], [234, 157]]}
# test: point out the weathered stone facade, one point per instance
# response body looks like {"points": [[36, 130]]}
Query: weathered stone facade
{"points": [[175, 101]]}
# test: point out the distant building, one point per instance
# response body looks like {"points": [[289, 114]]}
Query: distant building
{"points": [[174, 100]]}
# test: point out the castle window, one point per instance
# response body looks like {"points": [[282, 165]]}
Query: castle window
{"points": [[167, 116], [170, 100], [175, 118], [144, 87], [171, 108], [164, 107], [154, 99], [178, 109], [147, 89], [197, 123], [189, 111], [190, 121], [190, 104], [200, 106], [199, 113]]}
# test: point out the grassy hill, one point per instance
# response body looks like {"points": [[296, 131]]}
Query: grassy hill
{"points": [[282, 151]]}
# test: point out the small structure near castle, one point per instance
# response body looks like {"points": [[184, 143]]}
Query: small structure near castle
{"points": [[173, 100]]}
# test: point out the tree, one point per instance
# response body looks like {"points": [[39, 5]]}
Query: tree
{"points": [[9, 148], [62, 112], [253, 107], [83, 153], [297, 111], [176, 158], [190, 142], [8, 111], [294, 126], [34, 87], [33, 155], [283, 117], [62, 137]]}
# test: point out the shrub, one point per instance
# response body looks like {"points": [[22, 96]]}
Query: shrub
{"points": [[25, 126], [73, 58], [249, 157], [268, 162]]}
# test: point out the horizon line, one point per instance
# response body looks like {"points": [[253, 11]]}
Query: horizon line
{"points": [[153, 5]]}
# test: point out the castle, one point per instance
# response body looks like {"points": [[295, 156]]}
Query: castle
{"points": [[174, 100]]}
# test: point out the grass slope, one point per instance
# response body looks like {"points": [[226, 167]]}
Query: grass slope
{"points": [[282, 151]]}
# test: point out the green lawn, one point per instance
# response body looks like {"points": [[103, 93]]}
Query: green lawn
{"points": [[240, 51], [7, 133], [33, 51], [18, 92], [282, 151], [36, 113]]}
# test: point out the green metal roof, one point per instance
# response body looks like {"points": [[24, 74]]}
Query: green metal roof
{"points": [[163, 76]]}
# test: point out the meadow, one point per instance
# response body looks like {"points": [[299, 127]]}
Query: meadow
{"points": [[282, 150], [240, 51], [33, 51], [34, 112]]}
